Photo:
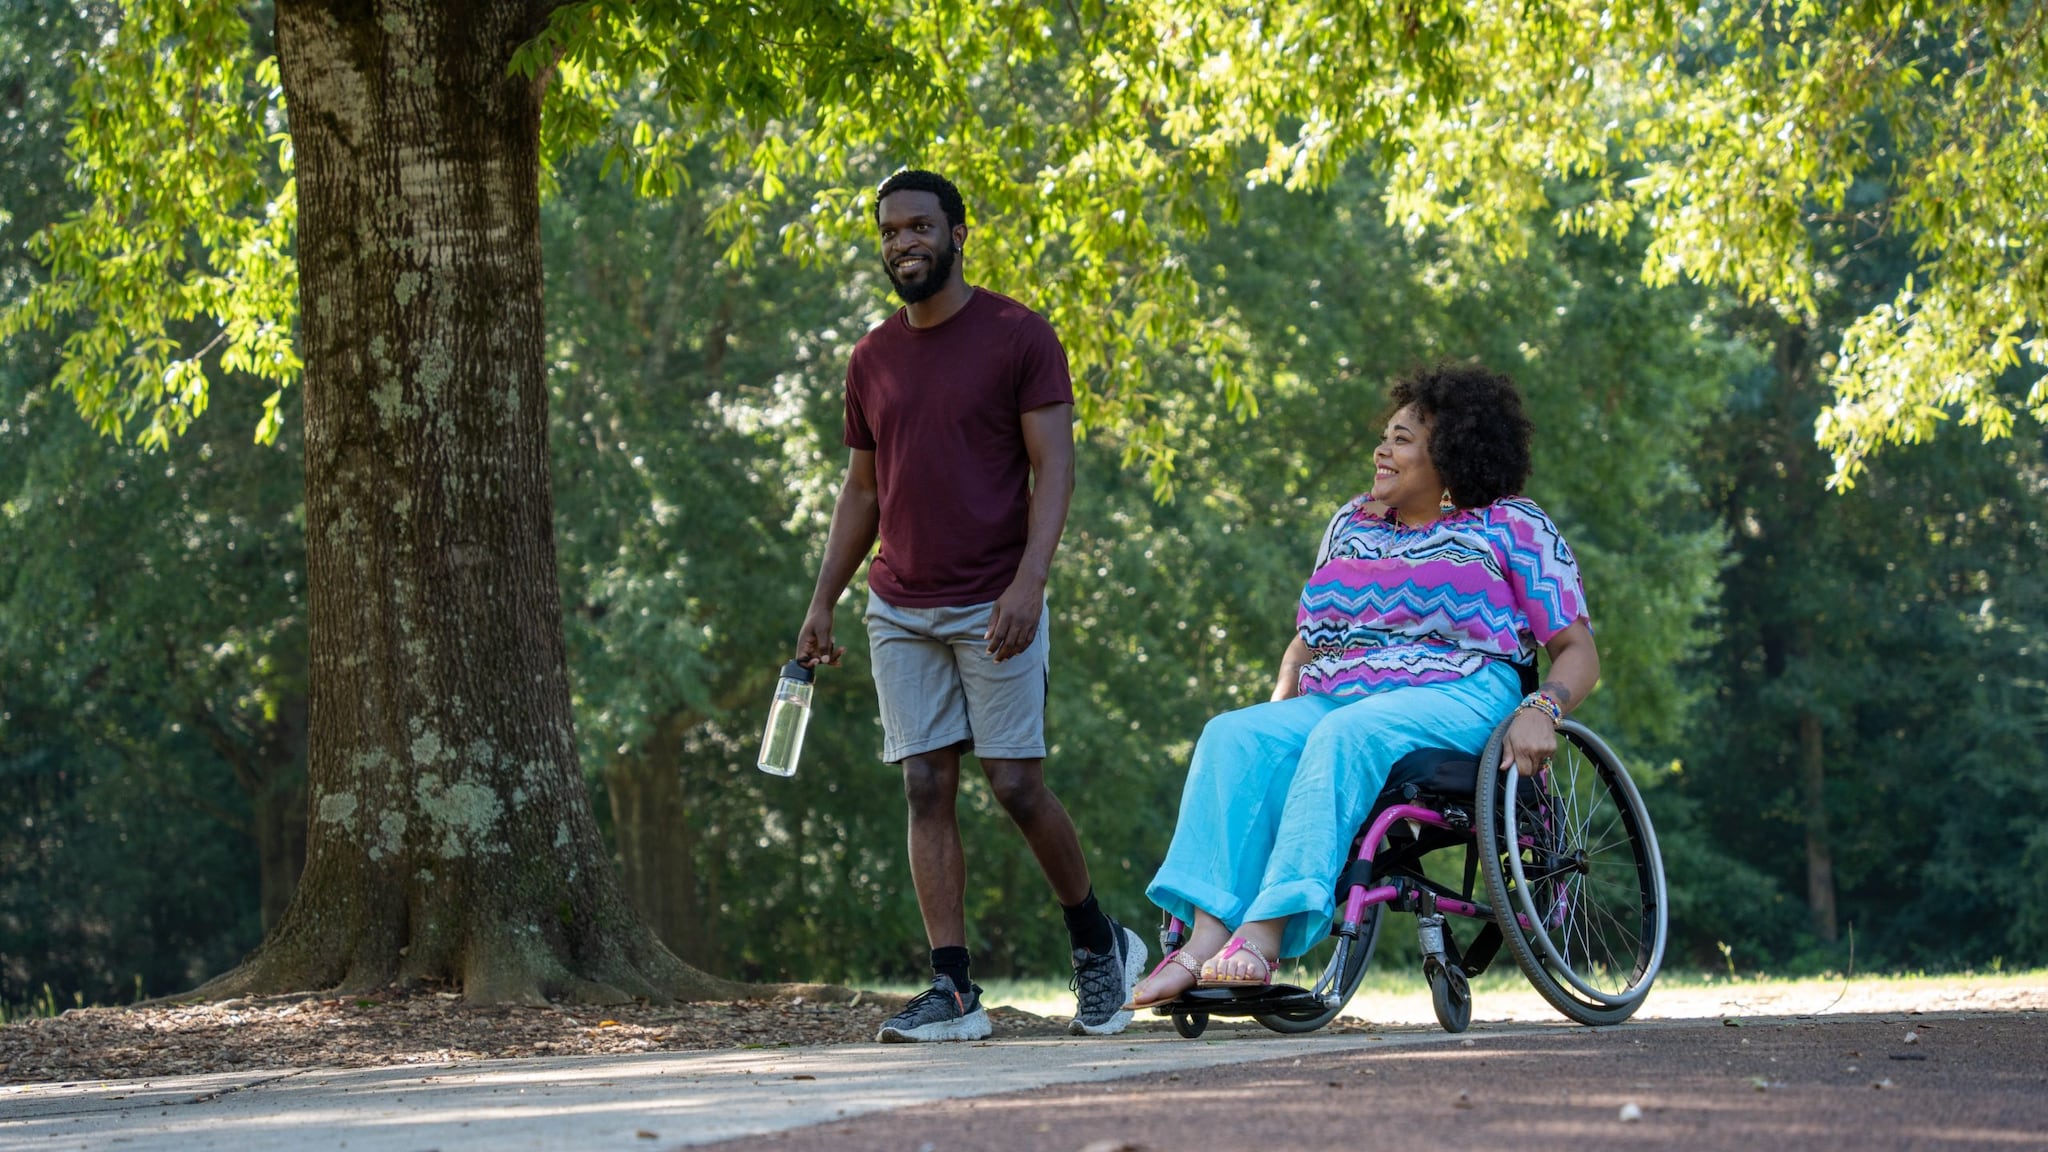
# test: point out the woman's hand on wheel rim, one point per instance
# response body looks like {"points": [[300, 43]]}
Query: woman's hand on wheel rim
{"points": [[1530, 742]]}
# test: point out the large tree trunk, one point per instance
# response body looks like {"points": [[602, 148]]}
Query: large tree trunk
{"points": [[450, 834]]}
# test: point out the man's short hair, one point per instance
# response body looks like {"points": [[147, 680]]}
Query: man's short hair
{"points": [[919, 180]]}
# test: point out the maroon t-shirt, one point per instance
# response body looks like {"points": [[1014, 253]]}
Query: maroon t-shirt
{"points": [[940, 408]]}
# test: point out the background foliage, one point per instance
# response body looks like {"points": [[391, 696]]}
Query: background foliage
{"points": [[700, 313]]}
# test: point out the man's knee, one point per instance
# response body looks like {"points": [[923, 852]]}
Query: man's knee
{"points": [[930, 782], [1018, 785]]}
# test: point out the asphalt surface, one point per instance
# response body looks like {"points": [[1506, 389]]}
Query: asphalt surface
{"points": [[1964, 1080], [1959, 1082]]}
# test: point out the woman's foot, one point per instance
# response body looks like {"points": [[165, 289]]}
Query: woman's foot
{"points": [[1245, 962], [1181, 970], [1174, 976]]}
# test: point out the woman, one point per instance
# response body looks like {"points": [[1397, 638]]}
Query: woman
{"points": [[1426, 592]]}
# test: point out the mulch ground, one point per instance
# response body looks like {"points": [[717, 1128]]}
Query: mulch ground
{"points": [[415, 1028]]}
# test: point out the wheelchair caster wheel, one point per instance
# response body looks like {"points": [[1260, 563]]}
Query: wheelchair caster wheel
{"points": [[1190, 1024], [1451, 996]]}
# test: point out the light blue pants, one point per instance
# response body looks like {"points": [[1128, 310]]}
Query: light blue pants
{"points": [[1276, 793]]}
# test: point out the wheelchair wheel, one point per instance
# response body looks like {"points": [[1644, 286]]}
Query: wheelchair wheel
{"points": [[1190, 1025], [1342, 967], [1574, 876], [1450, 995]]}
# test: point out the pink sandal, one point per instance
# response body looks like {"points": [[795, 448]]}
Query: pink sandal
{"points": [[1235, 946], [1178, 959]]}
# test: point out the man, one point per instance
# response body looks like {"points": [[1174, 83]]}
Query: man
{"points": [[959, 415]]}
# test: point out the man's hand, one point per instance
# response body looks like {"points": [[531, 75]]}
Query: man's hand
{"points": [[1530, 743], [814, 643], [1013, 622]]}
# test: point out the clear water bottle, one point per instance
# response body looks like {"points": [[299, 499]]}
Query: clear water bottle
{"points": [[786, 719]]}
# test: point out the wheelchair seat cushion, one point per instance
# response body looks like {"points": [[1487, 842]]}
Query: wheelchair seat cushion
{"points": [[1446, 772]]}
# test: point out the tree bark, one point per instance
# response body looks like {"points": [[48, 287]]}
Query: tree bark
{"points": [[450, 837], [1820, 855]]}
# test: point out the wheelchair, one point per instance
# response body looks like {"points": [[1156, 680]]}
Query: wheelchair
{"points": [[1562, 867]]}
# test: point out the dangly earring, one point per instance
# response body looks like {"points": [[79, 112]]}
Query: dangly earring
{"points": [[1444, 506]]}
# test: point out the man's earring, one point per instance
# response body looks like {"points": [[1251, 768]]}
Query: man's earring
{"points": [[1444, 507]]}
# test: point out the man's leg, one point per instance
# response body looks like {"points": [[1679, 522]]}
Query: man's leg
{"points": [[1019, 786], [1006, 710], [1108, 958], [931, 786], [924, 725]]}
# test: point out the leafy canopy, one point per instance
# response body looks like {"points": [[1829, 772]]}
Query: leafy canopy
{"points": [[184, 247], [1093, 135], [1077, 131], [1736, 132]]}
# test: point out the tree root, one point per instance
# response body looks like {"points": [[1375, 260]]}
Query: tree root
{"points": [[500, 971]]}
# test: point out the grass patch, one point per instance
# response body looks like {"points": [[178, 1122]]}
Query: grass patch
{"points": [[1389, 982]]}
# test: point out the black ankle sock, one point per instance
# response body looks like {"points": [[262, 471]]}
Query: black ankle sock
{"points": [[951, 961], [1087, 927]]}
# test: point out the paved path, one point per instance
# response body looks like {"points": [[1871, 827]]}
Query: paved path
{"points": [[1968, 1080], [592, 1102]]}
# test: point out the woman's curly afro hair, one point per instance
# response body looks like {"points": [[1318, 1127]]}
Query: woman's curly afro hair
{"points": [[1478, 433]]}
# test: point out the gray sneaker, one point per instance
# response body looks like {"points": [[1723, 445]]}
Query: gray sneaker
{"points": [[1104, 981], [940, 1012]]}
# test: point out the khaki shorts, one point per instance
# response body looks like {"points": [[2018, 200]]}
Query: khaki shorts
{"points": [[939, 687]]}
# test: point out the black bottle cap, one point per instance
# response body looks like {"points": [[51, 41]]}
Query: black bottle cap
{"points": [[798, 671]]}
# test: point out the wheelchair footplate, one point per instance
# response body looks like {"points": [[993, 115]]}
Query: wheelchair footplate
{"points": [[1262, 1001], [1280, 1007]]}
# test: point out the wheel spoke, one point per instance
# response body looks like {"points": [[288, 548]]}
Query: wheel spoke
{"points": [[1580, 880], [1605, 846], [1590, 935], [1621, 930]]}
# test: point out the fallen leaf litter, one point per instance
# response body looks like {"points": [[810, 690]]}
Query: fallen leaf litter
{"points": [[424, 1028]]}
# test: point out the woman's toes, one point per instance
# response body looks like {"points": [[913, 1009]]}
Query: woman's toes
{"points": [[1162, 986], [1234, 965]]}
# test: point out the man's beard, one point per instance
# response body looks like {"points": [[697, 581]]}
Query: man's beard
{"points": [[934, 280]]}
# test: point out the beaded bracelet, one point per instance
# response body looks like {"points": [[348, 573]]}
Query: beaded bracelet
{"points": [[1544, 704]]}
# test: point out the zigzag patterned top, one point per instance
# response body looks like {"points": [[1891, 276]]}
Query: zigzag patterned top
{"points": [[1390, 606]]}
